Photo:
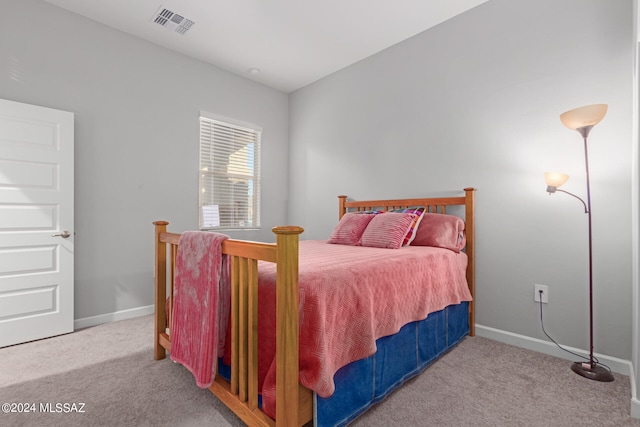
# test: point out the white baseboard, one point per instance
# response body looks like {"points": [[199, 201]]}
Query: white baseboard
{"points": [[635, 408], [635, 403], [620, 366], [112, 317]]}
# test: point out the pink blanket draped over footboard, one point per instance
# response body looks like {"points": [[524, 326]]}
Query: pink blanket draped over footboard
{"points": [[195, 322], [351, 296]]}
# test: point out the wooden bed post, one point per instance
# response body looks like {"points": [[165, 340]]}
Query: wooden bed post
{"points": [[342, 209], [471, 254], [287, 329], [161, 290]]}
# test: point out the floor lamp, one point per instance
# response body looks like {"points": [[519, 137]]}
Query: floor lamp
{"points": [[583, 119]]}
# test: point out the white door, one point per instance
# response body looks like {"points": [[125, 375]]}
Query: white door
{"points": [[36, 213]]}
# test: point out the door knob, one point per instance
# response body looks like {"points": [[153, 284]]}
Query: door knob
{"points": [[65, 234]]}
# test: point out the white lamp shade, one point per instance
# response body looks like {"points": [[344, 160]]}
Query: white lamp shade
{"points": [[555, 179], [589, 115]]}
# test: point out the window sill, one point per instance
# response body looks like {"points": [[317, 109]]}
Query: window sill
{"points": [[232, 229]]}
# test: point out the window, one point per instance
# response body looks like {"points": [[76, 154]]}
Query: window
{"points": [[229, 174]]}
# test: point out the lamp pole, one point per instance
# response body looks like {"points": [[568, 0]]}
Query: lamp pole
{"points": [[591, 370], [584, 131]]}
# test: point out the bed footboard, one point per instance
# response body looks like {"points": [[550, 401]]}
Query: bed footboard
{"points": [[294, 403]]}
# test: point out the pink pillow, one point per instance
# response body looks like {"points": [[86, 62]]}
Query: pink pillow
{"points": [[441, 231], [350, 229], [387, 230]]}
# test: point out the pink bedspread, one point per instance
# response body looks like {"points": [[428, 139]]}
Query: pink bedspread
{"points": [[351, 296]]}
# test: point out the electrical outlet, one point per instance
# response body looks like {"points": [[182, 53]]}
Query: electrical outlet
{"points": [[544, 295]]}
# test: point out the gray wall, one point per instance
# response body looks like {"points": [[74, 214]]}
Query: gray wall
{"points": [[136, 107], [475, 102]]}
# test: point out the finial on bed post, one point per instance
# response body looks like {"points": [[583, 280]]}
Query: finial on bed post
{"points": [[287, 229], [341, 206], [160, 274], [287, 397]]}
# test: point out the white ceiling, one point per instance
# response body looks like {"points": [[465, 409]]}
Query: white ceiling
{"points": [[292, 42]]}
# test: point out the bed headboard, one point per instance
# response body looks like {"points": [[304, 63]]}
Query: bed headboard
{"points": [[434, 205]]}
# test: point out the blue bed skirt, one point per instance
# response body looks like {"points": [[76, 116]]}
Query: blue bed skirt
{"points": [[399, 358]]}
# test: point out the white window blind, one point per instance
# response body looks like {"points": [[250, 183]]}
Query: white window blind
{"points": [[229, 175]]}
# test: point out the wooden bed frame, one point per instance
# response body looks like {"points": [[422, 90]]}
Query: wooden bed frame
{"points": [[294, 402]]}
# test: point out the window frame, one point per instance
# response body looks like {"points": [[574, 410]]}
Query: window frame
{"points": [[253, 202]]}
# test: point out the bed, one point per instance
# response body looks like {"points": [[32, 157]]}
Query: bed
{"points": [[347, 389]]}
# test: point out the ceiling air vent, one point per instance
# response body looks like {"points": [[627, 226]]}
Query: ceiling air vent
{"points": [[172, 21]]}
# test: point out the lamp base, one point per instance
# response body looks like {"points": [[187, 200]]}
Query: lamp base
{"points": [[592, 372]]}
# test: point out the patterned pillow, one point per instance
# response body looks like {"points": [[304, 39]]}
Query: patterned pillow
{"points": [[411, 234], [350, 229], [375, 211], [387, 230]]}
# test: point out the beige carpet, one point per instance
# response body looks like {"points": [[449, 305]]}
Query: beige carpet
{"points": [[110, 370]]}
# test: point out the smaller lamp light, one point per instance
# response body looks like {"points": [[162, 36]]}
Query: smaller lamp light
{"points": [[554, 180]]}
